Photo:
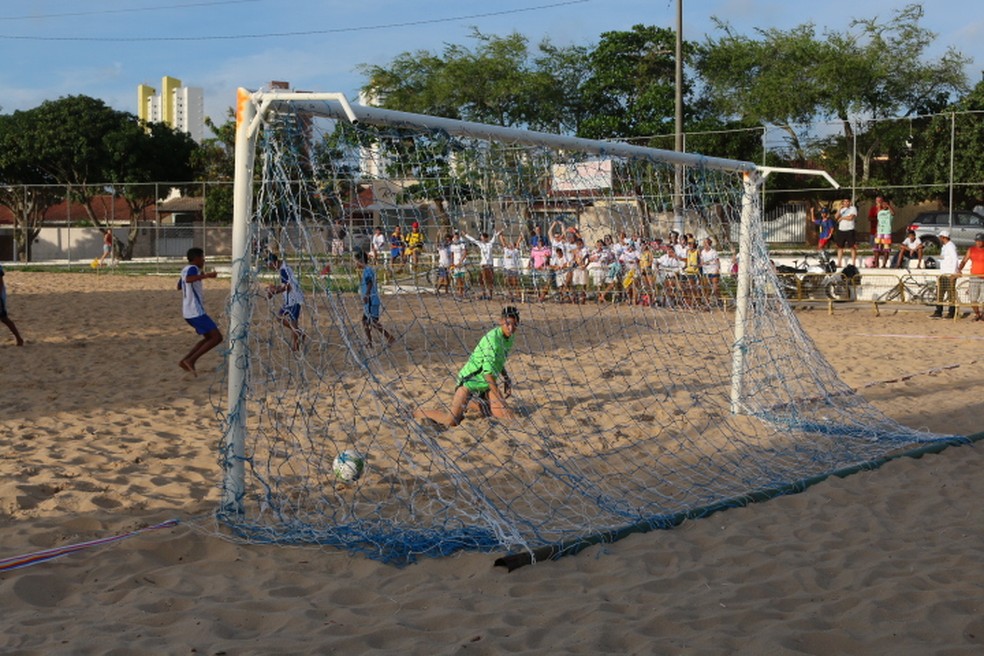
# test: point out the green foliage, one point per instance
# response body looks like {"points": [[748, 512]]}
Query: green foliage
{"points": [[623, 87], [215, 158], [930, 152], [876, 68], [80, 143], [631, 86], [218, 204], [499, 81]]}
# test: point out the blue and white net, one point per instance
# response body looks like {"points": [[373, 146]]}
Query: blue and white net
{"points": [[626, 405]]}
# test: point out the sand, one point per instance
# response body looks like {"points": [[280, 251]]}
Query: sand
{"points": [[102, 433]]}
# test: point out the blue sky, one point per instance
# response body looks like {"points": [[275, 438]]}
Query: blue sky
{"points": [[105, 48]]}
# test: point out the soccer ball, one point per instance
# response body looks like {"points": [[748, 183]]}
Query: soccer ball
{"points": [[348, 466]]}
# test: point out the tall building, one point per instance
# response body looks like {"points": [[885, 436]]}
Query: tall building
{"points": [[183, 108]]}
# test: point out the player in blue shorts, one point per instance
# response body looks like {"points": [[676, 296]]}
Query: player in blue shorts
{"points": [[193, 308], [4, 319], [290, 312], [369, 291]]}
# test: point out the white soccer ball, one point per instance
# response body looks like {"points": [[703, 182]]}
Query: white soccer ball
{"points": [[348, 466]]}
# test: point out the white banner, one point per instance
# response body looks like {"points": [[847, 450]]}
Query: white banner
{"points": [[579, 177]]}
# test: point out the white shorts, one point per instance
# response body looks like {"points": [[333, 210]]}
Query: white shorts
{"points": [[597, 276], [975, 291]]}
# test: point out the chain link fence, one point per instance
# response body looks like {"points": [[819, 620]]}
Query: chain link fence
{"points": [[50, 224]]}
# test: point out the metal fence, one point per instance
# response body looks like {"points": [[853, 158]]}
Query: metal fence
{"points": [[861, 164]]}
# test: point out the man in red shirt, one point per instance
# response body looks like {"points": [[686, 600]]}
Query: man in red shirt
{"points": [[975, 290]]}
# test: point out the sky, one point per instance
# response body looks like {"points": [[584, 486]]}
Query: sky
{"points": [[105, 48]]}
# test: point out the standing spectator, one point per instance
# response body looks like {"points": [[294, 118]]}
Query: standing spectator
{"points": [[710, 266], [975, 290], [630, 271], [485, 261], [4, 319], [883, 239], [559, 265], [646, 262], [597, 265], [459, 270], [873, 219], [107, 247], [691, 270], [564, 239], [537, 238], [949, 260], [825, 227], [540, 258], [911, 247], [844, 235], [668, 268], [338, 238], [579, 279], [680, 248], [444, 266], [511, 265]]}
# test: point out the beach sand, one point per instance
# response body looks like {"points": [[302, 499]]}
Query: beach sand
{"points": [[101, 433]]}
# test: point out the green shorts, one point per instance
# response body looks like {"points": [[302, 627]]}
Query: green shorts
{"points": [[475, 385]]}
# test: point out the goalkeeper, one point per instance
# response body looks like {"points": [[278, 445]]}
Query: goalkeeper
{"points": [[478, 379]]}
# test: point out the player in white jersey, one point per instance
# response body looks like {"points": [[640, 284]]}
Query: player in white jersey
{"points": [[293, 298], [193, 308]]}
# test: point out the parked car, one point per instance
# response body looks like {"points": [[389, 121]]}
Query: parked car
{"points": [[963, 228]]}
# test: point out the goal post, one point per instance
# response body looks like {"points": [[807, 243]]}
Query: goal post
{"points": [[250, 108], [642, 389]]}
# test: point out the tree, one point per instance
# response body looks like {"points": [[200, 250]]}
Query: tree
{"points": [[50, 145], [141, 158], [928, 153], [632, 84], [876, 68], [500, 81], [23, 183], [215, 160], [81, 144]]}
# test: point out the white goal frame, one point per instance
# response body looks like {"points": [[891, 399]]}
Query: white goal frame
{"points": [[251, 110]]}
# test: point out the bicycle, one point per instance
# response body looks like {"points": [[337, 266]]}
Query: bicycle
{"points": [[910, 290], [817, 276]]}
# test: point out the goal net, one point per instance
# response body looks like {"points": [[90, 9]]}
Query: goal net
{"points": [[644, 390]]}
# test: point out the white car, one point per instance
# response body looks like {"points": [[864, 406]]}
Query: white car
{"points": [[963, 226]]}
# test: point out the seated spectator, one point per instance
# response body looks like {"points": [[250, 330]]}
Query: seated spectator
{"points": [[911, 247]]}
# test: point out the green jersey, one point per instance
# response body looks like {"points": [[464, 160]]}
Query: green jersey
{"points": [[489, 357], [885, 222]]}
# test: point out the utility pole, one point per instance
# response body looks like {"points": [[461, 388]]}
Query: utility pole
{"points": [[678, 140]]}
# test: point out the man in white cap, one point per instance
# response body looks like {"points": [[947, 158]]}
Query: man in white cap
{"points": [[949, 259]]}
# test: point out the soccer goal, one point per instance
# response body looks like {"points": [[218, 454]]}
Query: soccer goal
{"points": [[645, 390]]}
